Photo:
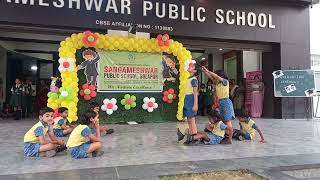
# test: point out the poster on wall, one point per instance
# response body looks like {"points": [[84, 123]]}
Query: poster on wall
{"points": [[122, 71], [252, 78], [170, 71], [294, 83]]}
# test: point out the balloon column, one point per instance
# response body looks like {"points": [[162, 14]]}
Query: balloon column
{"points": [[69, 46]]}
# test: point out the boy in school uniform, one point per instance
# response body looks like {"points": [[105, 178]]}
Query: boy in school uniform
{"points": [[60, 127], [214, 133], [35, 143], [248, 128], [83, 143]]}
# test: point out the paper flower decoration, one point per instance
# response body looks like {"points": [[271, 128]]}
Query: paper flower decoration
{"points": [[163, 40], [149, 104], [90, 38], [88, 92], [169, 96], [66, 65], [109, 106], [129, 101], [188, 64]]}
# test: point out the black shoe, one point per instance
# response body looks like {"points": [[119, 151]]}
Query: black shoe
{"points": [[17, 115], [110, 131], [180, 135], [189, 139]]}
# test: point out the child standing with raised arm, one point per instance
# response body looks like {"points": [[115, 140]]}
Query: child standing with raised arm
{"points": [[225, 104]]}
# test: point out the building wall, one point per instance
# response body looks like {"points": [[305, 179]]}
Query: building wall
{"points": [[217, 62], [3, 72], [251, 61], [315, 52]]}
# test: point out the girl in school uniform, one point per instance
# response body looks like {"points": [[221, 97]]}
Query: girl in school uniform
{"points": [[16, 99], [190, 107], [222, 92]]}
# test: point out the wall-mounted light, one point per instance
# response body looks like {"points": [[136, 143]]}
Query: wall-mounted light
{"points": [[203, 58], [220, 49], [34, 68]]}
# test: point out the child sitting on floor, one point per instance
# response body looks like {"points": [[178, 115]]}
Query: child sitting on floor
{"points": [[82, 143], [215, 130], [247, 128], [60, 128], [104, 130], [35, 143]]}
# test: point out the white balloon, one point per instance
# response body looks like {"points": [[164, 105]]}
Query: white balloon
{"points": [[113, 101], [60, 61], [103, 108], [61, 68], [153, 99], [150, 109], [146, 100], [109, 111], [144, 106], [106, 101], [155, 105], [115, 107], [64, 93]]}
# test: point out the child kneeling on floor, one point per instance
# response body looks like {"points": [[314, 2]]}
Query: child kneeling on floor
{"points": [[60, 127], [82, 143], [35, 143], [247, 128], [215, 130]]}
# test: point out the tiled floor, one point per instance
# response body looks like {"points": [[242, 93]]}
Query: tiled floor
{"points": [[156, 143]]}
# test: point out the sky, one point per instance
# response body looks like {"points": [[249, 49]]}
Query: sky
{"points": [[315, 29]]}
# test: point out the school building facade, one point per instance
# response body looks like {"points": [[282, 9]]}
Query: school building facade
{"points": [[277, 30]]}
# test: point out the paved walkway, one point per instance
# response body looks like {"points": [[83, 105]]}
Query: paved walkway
{"points": [[289, 143]]}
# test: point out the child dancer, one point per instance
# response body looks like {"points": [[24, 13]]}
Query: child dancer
{"points": [[225, 104], [215, 130], [190, 108], [247, 128]]}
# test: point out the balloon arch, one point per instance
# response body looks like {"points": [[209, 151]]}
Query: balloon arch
{"points": [[67, 95]]}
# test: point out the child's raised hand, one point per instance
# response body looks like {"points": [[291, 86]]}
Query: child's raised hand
{"points": [[204, 69]]}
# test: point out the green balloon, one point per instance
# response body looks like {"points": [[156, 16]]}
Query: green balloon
{"points": [[54, 96], [134, 104], [127, 107], [127, 96], [133, 97], [123, 102], [49, 94]]}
